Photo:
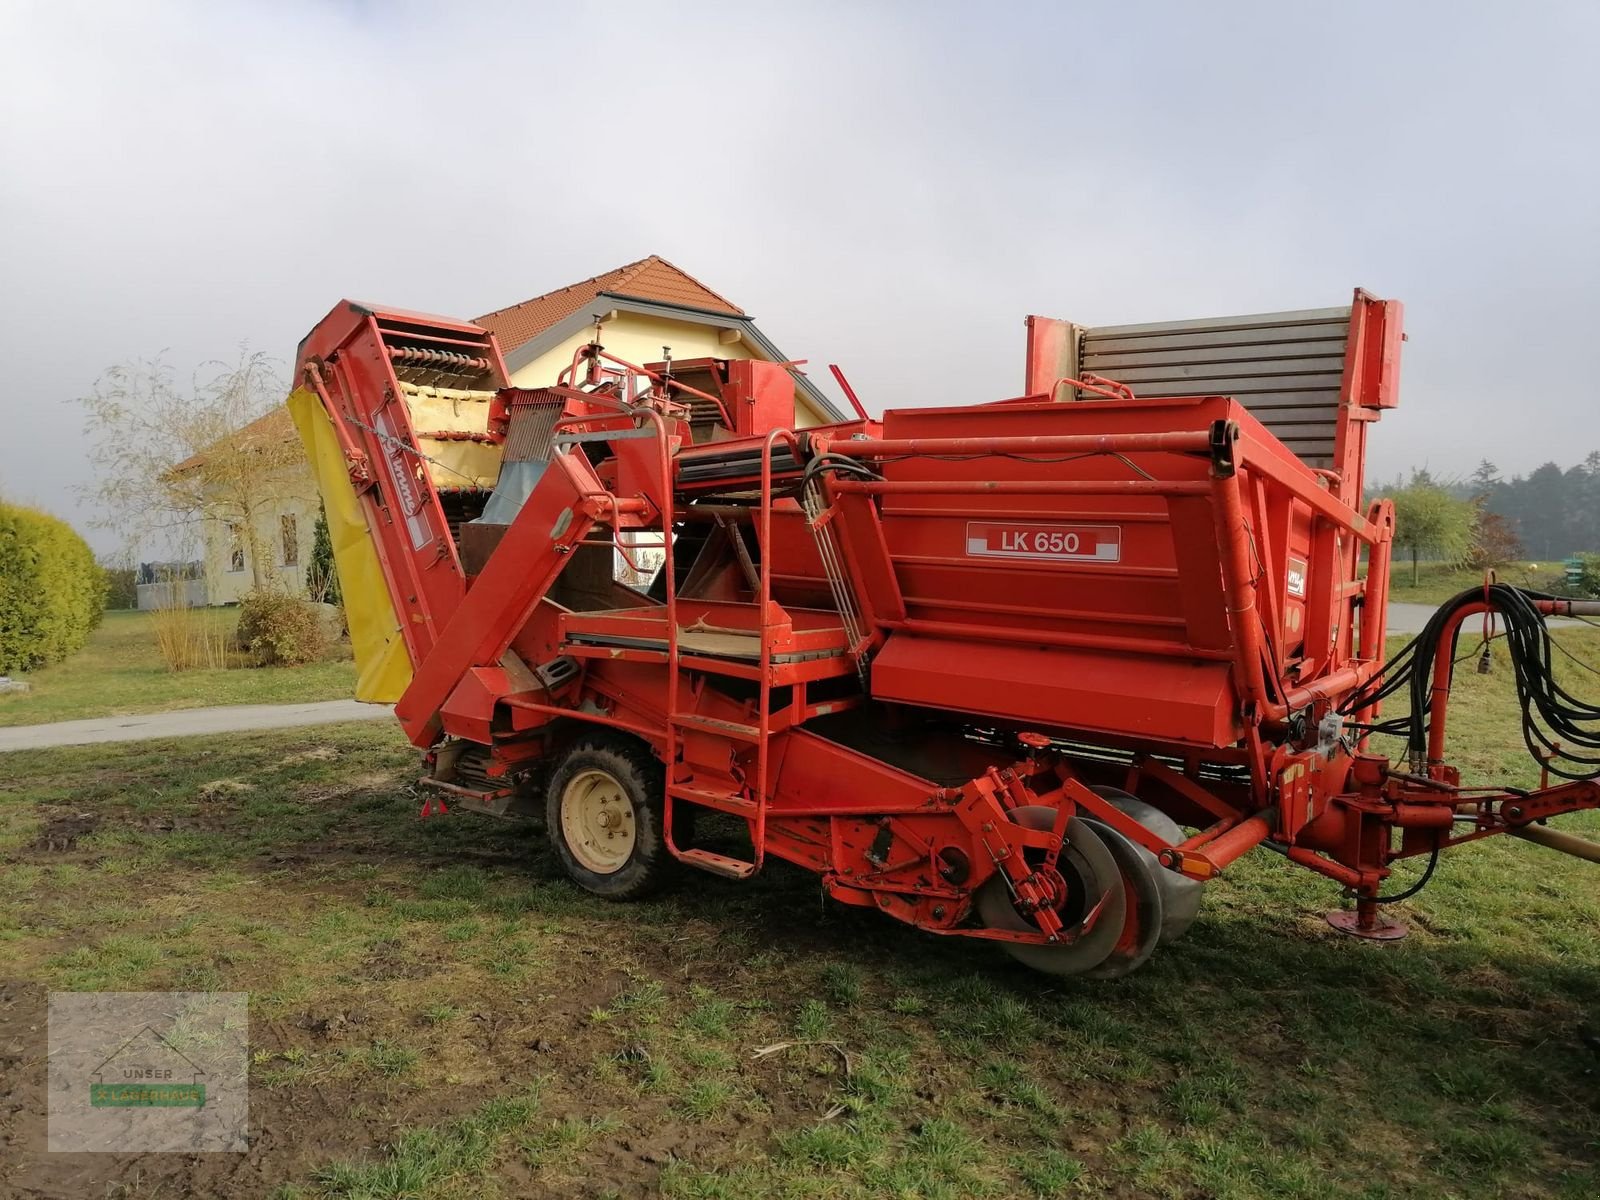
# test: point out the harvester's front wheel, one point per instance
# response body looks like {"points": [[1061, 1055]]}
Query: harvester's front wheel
{"points": [[603, 810]]}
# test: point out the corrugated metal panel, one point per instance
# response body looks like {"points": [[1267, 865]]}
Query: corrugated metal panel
{"points": [[1286, 368]]}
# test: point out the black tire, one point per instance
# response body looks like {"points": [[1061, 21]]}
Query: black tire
{"points": [[636, 798]]}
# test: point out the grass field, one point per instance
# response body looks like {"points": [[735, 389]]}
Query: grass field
{"points": [[1437, 582], [436, 1013], [120, 671]]}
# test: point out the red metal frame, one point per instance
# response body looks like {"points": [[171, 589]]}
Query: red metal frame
{"points": [[1175, 605]]}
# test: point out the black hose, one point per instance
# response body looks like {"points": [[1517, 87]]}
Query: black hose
{"points": [[1550, 713], [1422, 881]]}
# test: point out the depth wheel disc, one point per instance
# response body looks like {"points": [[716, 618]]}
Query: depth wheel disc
{"points": [[1141, 929], [597, 821], [1180, 896], [1091, 873]]}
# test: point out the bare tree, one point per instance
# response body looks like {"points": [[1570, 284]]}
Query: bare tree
{"points": [[168, 458]]}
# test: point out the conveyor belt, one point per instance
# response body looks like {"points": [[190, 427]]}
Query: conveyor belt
{"points": [[702, 467]]}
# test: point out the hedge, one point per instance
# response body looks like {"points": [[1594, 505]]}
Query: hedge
{"points": [[52, 592]]}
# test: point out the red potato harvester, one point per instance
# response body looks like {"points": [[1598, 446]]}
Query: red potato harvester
{"points": [[981, 667]]}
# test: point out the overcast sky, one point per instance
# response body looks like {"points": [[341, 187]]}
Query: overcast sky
{"points": [[888, 186]]}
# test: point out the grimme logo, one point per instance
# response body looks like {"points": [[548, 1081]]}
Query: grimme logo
{"points": [[1297, 578], [147, 1071]]}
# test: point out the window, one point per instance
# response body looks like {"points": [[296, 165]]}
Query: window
{"points": [[289, 528], [235, 548]]}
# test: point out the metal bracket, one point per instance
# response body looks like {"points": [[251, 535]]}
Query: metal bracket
{"points": [[557, 672], [1224, 435]]}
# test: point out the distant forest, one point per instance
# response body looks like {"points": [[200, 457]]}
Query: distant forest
{"points": [[1553, 512]]}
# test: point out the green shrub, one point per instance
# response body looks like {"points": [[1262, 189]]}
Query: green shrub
{"points": [[52, 592], [279, 630], [1588, 581]]}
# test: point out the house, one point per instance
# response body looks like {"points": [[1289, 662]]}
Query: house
{"points": [[259, 508], [641, 309]]}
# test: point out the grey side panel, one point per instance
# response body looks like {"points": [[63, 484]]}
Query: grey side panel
{"points": [[1286, 368]]}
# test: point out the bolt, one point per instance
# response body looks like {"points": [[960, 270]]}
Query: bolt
{"points": [[1514, 812], [938, 912]]}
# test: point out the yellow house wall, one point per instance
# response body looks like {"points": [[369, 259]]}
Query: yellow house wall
{"points": [[638, 339], [226, 586]]}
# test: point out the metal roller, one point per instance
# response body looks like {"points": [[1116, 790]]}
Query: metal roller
{"points": [[1142, 920], [1180, 896], [1091, 873]]}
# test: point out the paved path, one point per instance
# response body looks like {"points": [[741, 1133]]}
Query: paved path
{"points": [[1408, 619], [229, 718], [1404, 619]]}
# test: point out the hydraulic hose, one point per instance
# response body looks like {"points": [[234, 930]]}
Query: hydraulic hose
{"points": [[1561, 731]]}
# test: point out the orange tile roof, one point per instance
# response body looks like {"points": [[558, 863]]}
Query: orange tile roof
{"points": [[652, 278]]}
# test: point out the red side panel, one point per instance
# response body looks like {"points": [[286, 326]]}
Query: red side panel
{"points": [[1052, 354], [1091, 691], [759, 396]]}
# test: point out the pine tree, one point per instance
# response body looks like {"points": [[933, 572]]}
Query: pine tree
{"points": [[1485, 479], [322, 576]]}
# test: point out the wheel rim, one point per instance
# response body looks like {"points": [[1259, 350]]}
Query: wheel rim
{"points": [[597, 821], [1084, 859]]}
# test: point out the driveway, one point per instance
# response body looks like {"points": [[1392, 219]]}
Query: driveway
{"points": [[230, 718], [1408, 619], [1404, 619]]}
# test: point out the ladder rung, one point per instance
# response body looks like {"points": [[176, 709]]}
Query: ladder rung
{"points": [[719, 864], [748, 733], [721, 801]]}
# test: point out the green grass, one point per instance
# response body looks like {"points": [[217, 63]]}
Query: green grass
{"points": [[432, 1160], [1483, 739], [1437, 582], [440, 1015], [121, 672]]}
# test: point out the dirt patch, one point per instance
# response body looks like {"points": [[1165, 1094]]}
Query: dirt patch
{"points": [[62, 831], [293, 1130], [800, 1082], [332, 1023], [222, 789], [390, 959]]}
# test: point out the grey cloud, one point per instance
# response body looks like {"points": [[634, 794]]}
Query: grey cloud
{"points": [[889, 186]]}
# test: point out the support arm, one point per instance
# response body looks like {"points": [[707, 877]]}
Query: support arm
{"points": [[558, 513]]}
